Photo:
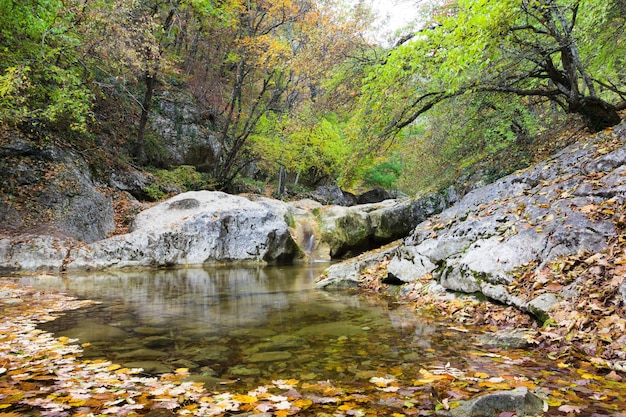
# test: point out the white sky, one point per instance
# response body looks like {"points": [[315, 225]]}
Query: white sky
{"points": [[396, 14], [399, 12]]}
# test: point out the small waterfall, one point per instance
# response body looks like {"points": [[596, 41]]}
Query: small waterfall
{"points": [[310, 246]]}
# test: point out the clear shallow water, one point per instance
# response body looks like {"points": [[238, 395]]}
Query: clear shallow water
{"points": [[252, 324], [249, 326]]}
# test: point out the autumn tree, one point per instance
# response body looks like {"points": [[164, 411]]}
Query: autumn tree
{"points": [[306, 139], [129, 47]]}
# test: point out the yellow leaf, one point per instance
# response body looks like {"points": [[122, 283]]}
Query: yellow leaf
{"points": [[63, 339], [113, 367], [303, 403], [347, 406], [481, 375], [245, 399], [75, 402], [182, 371]]}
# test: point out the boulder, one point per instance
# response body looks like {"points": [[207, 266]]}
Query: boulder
{"points": [[520, 400], [32, 252], [51, 192], [91, 331], [196, 228], [375, 195], [530, 217], [353, 230], [184, 132], [347, 274], [333, 195]]}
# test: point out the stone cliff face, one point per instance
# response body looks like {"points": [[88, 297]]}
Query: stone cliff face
{"points": [[51, 190], [563, 206]]}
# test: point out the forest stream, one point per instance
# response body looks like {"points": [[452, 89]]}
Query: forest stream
{"points": [[237, 329]]}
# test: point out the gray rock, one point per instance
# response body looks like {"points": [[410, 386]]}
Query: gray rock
{"points": [[346, 274], [529, 217], [33, 253], [270, 356], [197, 228], [90, 331], [375, 195], [507, 339], [408, 264], [184, 133], [541, 305], [333, 195], [520, 400], [53, 192]]}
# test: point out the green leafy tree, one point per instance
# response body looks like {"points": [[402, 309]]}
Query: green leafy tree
{"points": [[528, 48], [42, 79]]}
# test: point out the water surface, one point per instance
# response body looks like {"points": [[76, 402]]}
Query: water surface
{"points": [[249, 326]]}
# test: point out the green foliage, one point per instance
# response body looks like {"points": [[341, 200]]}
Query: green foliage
{"points": [[41, 79], [303, 144], [384, 174], [154, 192], [463, 134], [183, 178]]}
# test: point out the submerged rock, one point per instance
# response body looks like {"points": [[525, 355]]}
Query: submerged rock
{"points": [[143, 354], [520, 400], [90, 331], [274, 356]]}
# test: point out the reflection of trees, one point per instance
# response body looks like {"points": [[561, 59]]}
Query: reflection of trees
{"points": [[221, 296]]}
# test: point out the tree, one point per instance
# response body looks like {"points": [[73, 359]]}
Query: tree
{"points": [[41, 77], [127, 46], [524, 47], [307, 138]]}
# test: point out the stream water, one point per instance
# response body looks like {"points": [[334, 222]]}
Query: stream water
{"points": [[249, 326]]}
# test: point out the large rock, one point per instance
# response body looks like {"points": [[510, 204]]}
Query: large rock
{"points": [[331, 195], [185, 133], [196, 228], [49, 190], [347, 274], [527, 218], [375, 195], [352, 230], [31, 252]]}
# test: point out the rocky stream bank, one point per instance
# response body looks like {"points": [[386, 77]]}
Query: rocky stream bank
{"points": [[548, 241]]}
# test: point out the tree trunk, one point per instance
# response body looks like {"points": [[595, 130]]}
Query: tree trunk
{"points": [[140, 149], [597, 114]]}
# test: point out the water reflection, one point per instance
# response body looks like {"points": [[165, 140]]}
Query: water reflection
{"points": [[228, 297], [248, 324]]}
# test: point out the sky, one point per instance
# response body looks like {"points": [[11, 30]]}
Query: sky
{"points": [[396, 14], [399, 12]]}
